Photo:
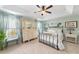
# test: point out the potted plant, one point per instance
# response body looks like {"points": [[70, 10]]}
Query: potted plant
{"points": [[2, 38]]}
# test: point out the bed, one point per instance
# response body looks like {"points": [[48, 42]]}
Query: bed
{"points": [[52, 37]]}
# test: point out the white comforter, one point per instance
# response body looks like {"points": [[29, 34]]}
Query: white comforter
{"points": [[54, 38]]}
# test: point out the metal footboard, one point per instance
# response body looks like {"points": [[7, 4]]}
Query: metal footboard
{"points": [[44, 37]]}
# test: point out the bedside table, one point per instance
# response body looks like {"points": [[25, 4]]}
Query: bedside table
{"points": [[72, 36]]}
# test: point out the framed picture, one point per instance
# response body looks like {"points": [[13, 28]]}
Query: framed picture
{"points": [[71, 24]]}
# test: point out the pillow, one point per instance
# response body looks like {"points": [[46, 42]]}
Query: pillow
{"points": [[11, 33], [52, 30]]}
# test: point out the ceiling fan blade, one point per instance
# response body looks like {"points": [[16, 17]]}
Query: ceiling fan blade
{"points": [[38, 6], [48, 12], [43, 8], [38, 11], [49, 7]]}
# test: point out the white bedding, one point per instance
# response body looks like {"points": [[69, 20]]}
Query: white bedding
{"points": [[53, 37]]}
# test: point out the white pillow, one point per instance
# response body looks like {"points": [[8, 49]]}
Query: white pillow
{"points": [[52, 30]]}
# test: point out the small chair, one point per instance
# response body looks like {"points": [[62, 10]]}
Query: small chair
{"points": [[11, 36]]}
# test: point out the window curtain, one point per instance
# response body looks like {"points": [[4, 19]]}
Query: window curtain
{"points": [[1, 20], [10, 23], [39, 26]]}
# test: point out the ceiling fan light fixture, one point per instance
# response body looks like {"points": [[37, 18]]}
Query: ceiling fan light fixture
{"points": [[44, 9], [42, 14]]}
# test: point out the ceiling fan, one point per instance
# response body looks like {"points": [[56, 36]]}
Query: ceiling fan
{"points": [[44, 9]]}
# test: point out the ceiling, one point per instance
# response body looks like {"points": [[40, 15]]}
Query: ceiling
{"points": [[28, 10]]}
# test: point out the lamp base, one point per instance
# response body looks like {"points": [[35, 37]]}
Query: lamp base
{"points": [[70, 32]]}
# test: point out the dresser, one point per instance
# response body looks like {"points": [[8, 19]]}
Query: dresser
{"points": [[75, 36]]}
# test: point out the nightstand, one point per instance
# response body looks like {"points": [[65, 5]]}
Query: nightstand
{"points": [[75, 36]]}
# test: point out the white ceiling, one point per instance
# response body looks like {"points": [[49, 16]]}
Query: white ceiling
{"points": [[28, 10]]}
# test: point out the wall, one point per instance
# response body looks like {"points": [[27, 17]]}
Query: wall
{"points": [[62, 20]]}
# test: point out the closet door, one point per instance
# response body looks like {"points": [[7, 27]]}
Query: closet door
{"points": [[25, 36]]}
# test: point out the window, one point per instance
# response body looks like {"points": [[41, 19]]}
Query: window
{"points": [[12, 27]]}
